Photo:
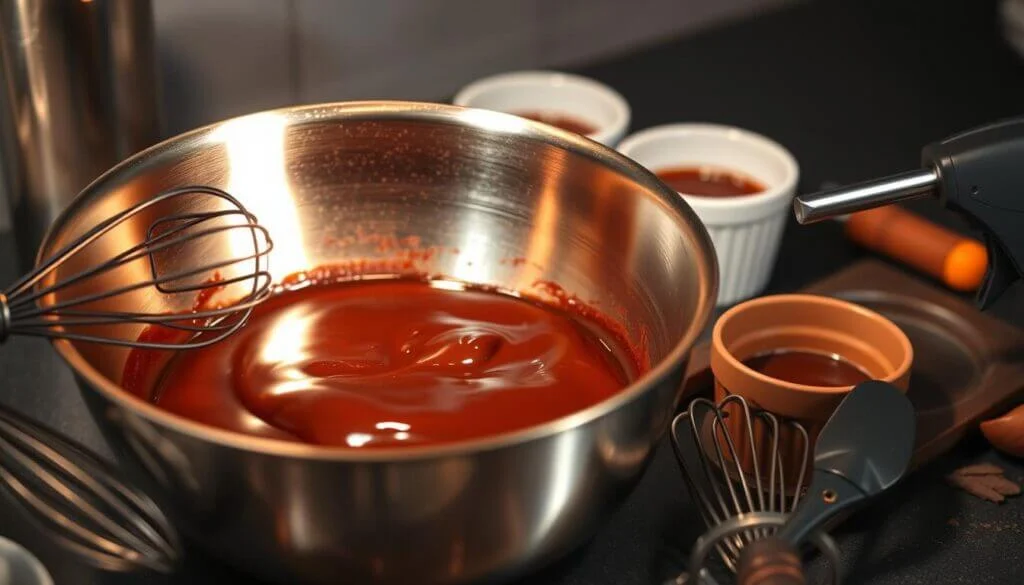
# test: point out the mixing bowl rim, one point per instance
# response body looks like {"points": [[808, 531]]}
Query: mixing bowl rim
{"points": [[487, 120]]}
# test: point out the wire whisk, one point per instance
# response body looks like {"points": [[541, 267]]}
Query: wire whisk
{"points": [[745, 469], [80, 502], [173, 265]]}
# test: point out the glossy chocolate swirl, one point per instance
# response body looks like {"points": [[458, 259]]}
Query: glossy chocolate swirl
{"points": [[394, 363]]}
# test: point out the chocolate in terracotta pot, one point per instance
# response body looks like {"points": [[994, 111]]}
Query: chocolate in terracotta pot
{"points": [[807, 368]]}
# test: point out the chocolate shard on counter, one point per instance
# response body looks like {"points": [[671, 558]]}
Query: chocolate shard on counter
{"points": [[984, 480]]}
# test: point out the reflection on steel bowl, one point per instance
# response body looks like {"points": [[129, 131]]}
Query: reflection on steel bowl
{"points": [[511, 203]]}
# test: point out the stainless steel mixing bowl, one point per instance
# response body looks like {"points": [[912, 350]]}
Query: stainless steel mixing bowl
{"points": [[501, 201]]}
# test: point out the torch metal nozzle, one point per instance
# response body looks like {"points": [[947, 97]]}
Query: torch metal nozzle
{"points": [[868, 195]]}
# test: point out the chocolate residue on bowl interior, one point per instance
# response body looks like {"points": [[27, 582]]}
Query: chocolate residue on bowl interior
{"points": [[547, 291]]}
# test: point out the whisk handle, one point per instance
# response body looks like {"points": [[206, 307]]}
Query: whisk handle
{"points": [[5, 318], [770, 561]]}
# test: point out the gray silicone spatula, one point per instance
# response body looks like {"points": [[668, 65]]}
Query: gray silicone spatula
{"points": [[863, 450]]}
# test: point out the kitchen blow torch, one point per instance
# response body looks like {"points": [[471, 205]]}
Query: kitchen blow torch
{"points": [[978, 174]]}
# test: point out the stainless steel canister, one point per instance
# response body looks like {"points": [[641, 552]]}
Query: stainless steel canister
{"points": [[80, 95]]}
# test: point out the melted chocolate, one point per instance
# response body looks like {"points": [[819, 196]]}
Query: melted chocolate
{"points": [[709, 182], [807, 368], [560, 121], [392, 363]]}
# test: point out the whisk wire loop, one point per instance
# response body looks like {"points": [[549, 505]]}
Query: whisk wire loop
{"points": [[60, 256], [34, 307], [136, 252]]}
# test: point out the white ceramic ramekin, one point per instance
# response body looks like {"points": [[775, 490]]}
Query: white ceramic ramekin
{"points": [[551, 91], [746, 230]]}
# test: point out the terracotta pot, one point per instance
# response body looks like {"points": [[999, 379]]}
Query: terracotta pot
{"points": [[800, 322]]}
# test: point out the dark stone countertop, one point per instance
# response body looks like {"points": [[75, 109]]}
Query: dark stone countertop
{"points": [[854, 89]]}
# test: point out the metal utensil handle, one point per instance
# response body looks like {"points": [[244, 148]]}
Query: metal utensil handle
{"points": [[868, 195], [755, 521], [770, 561]]}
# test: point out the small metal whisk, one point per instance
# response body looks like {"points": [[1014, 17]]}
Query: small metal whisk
{"points": [[738, 479], [80, 502], [759, 529], [208, 244]]}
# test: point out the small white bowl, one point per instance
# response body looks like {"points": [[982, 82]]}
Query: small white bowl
{"points": [[746, 230], [552, 92]]}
